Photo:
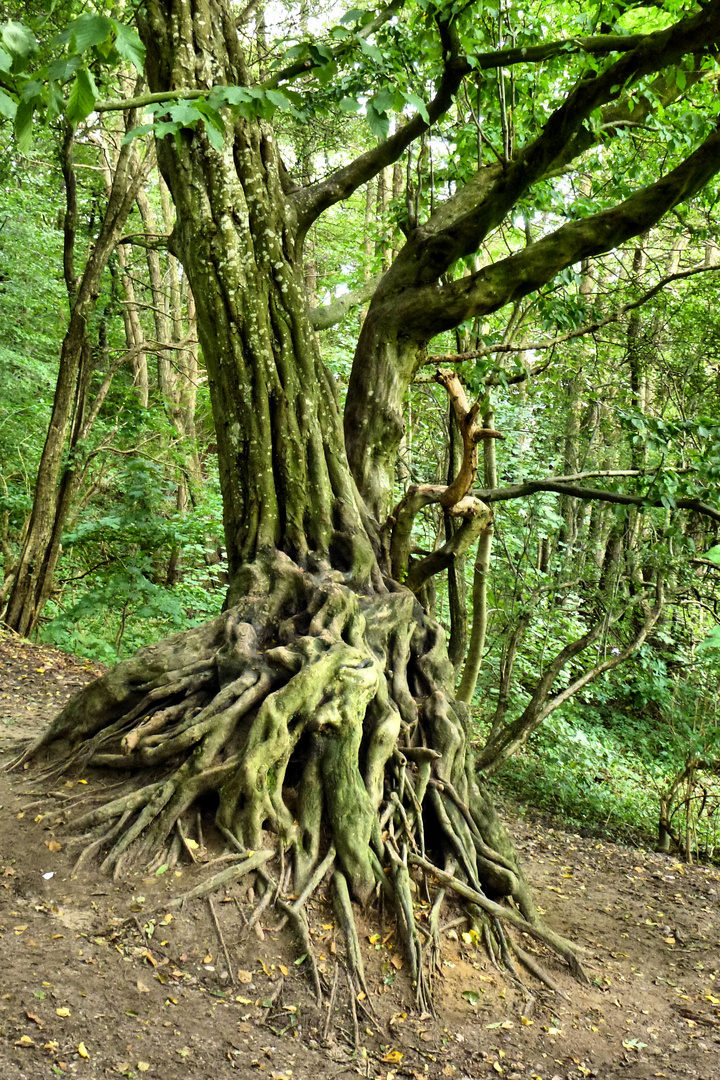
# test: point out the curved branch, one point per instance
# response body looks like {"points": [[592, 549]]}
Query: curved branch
{"points": [[432, 309], [313, 200], [478, 517]]}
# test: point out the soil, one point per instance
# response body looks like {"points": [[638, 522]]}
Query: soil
{"points": [[103, 978]]}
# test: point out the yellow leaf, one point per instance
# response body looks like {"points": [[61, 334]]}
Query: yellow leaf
{"points": [[19, 929], [143, 1066], [244, 1000], [283, 970], [373, 938], [82, 781], [192, 844], [393, 1057], [207, 959], [38, 817], [498, 1067], [25, 1040], [166, 919], [669, 940], [53, 845], [526, 1021], [83, 1050], [64, 1011]]}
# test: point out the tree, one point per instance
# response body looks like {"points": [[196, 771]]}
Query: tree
{"points": [[318, 707]]}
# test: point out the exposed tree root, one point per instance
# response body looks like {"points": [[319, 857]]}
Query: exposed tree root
{"points": [[319, 722]]}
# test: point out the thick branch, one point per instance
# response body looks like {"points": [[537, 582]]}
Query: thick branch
{"points": [[466, 416], [431, 309]]}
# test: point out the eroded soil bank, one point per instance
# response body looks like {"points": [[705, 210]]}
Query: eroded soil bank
{"points": [[103, 979]]}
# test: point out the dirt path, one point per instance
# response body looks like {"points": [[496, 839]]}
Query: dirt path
{"points": [[101, 979]]}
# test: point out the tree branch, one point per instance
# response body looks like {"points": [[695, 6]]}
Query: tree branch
{"points": [[532, 487], [432, 309], [570, 335], [313, 200]]}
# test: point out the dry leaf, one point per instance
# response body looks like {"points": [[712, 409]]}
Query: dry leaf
{"points": [[53, 845], [244, 977], [283, 970], [35, 1019], [25, 1040], [393, 1057], [142, 988], [19, 929]]}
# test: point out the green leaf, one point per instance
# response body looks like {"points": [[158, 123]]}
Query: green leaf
{"points": [[383, 100], [60, 69], [8, 107], [129, 45], [82, 98], [184, 113], [214, 126], [419, 104], [378, 123], [19, 39], [23, 125], [86, 31], [349, 105], [714, 554], [680, 79], [354, 15], [279, 100], [471, 996], [373, 52], [142, 129], [5, 60]]}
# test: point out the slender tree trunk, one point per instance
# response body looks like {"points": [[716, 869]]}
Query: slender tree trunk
{"points": [[56, 483]]}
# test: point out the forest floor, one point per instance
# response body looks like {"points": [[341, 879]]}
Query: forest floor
{"points": [[100, 979]]}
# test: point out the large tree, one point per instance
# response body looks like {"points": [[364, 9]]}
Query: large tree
{"points": [[318, 707]]}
